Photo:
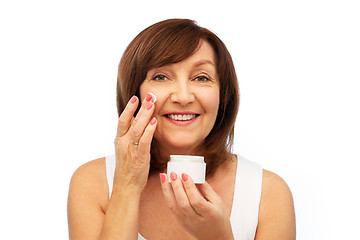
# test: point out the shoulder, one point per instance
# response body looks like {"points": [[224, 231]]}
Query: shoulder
{"points": [[89, 173], [89, 181], [94, 166], [88, 196], [276, 210], [273, 184]]}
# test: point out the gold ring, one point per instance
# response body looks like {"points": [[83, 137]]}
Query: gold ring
{"points": [[134, 142]]}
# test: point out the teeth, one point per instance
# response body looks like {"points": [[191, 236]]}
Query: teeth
{"points": [[181, 117]]}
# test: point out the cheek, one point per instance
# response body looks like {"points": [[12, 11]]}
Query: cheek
{"points": [[214, 103], [159, 93], [210, 101], [144, 89]]}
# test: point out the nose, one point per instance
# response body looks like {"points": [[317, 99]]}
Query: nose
{"points": [[182, 93]]}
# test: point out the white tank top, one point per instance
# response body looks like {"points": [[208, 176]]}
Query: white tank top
{"points": [[247, 193]]}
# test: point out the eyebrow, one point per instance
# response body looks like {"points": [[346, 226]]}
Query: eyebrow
{"points": [[195, 65], [204, 62]]}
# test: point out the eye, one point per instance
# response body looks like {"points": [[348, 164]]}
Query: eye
{"points": [[159, 78], [202, 78]]}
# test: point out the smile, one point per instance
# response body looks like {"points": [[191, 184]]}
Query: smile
{"points": [[181, 117]]}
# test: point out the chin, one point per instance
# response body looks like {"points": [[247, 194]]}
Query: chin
{"points": [[178, 146]]}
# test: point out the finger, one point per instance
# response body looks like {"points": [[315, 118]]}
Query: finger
{"points": [[212, 197], [209, 194], [197, 200], [146, 138], [168, 193], [181, 198], [141, 121], [144, 103], [126, 116]]}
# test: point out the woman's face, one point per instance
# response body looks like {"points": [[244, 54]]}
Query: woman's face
{"points": [[187, 100]]}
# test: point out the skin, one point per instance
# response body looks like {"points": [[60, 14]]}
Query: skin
{"points": [[190, 85], [150, 204]]}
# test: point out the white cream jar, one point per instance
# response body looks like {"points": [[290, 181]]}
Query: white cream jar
{"points": [[194, 166]]}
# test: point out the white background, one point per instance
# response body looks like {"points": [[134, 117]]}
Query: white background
{"points": [[298, 64]]}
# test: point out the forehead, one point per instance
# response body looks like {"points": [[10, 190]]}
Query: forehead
{"points": [[203, 57]]}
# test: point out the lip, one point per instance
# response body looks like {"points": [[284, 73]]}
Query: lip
{"points": [[181, 113], [181, 123]]}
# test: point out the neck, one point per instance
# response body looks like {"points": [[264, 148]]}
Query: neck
{"points": [[163, 152]]}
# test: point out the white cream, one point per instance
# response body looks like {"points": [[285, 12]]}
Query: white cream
{"points": [[153, 97], [194, 166]]}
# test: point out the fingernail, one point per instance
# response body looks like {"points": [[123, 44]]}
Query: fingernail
{"points": [[133, 99], [162, 177], [173, 176], [184, 177], [148, 97], [150, 104], [153, 121], [153, 97]]}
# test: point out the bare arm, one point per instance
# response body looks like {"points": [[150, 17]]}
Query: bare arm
{"points": [[276, 213], [87, 220], [121, 219], [85, 215]]}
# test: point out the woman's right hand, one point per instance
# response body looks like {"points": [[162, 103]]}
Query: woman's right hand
{"points": [[132, 145]]}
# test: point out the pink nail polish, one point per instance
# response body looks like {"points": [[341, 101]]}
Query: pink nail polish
{"points": [[153, 121], [148, 107], [162, 177], [148, 97], [133, 99], [184, 177], [173, 176]]}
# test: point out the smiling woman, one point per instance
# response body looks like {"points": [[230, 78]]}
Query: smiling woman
{"points": [[177, 94], [153, 54], [187, 102]]}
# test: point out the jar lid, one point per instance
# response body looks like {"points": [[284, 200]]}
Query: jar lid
{"points": [[186, 158]]}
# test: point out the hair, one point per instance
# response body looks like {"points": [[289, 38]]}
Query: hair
{"points": [[171, 41]]}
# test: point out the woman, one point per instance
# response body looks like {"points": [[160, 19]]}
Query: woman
{"points": [[129, 195]]}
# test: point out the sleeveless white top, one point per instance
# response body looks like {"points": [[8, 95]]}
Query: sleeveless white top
{"points": [[247, 193]]}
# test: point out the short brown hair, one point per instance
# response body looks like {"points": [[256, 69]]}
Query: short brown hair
{"points": [[172, 41]]}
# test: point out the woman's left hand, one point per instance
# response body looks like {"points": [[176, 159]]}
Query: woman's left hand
{"points": [[197, 208]]}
